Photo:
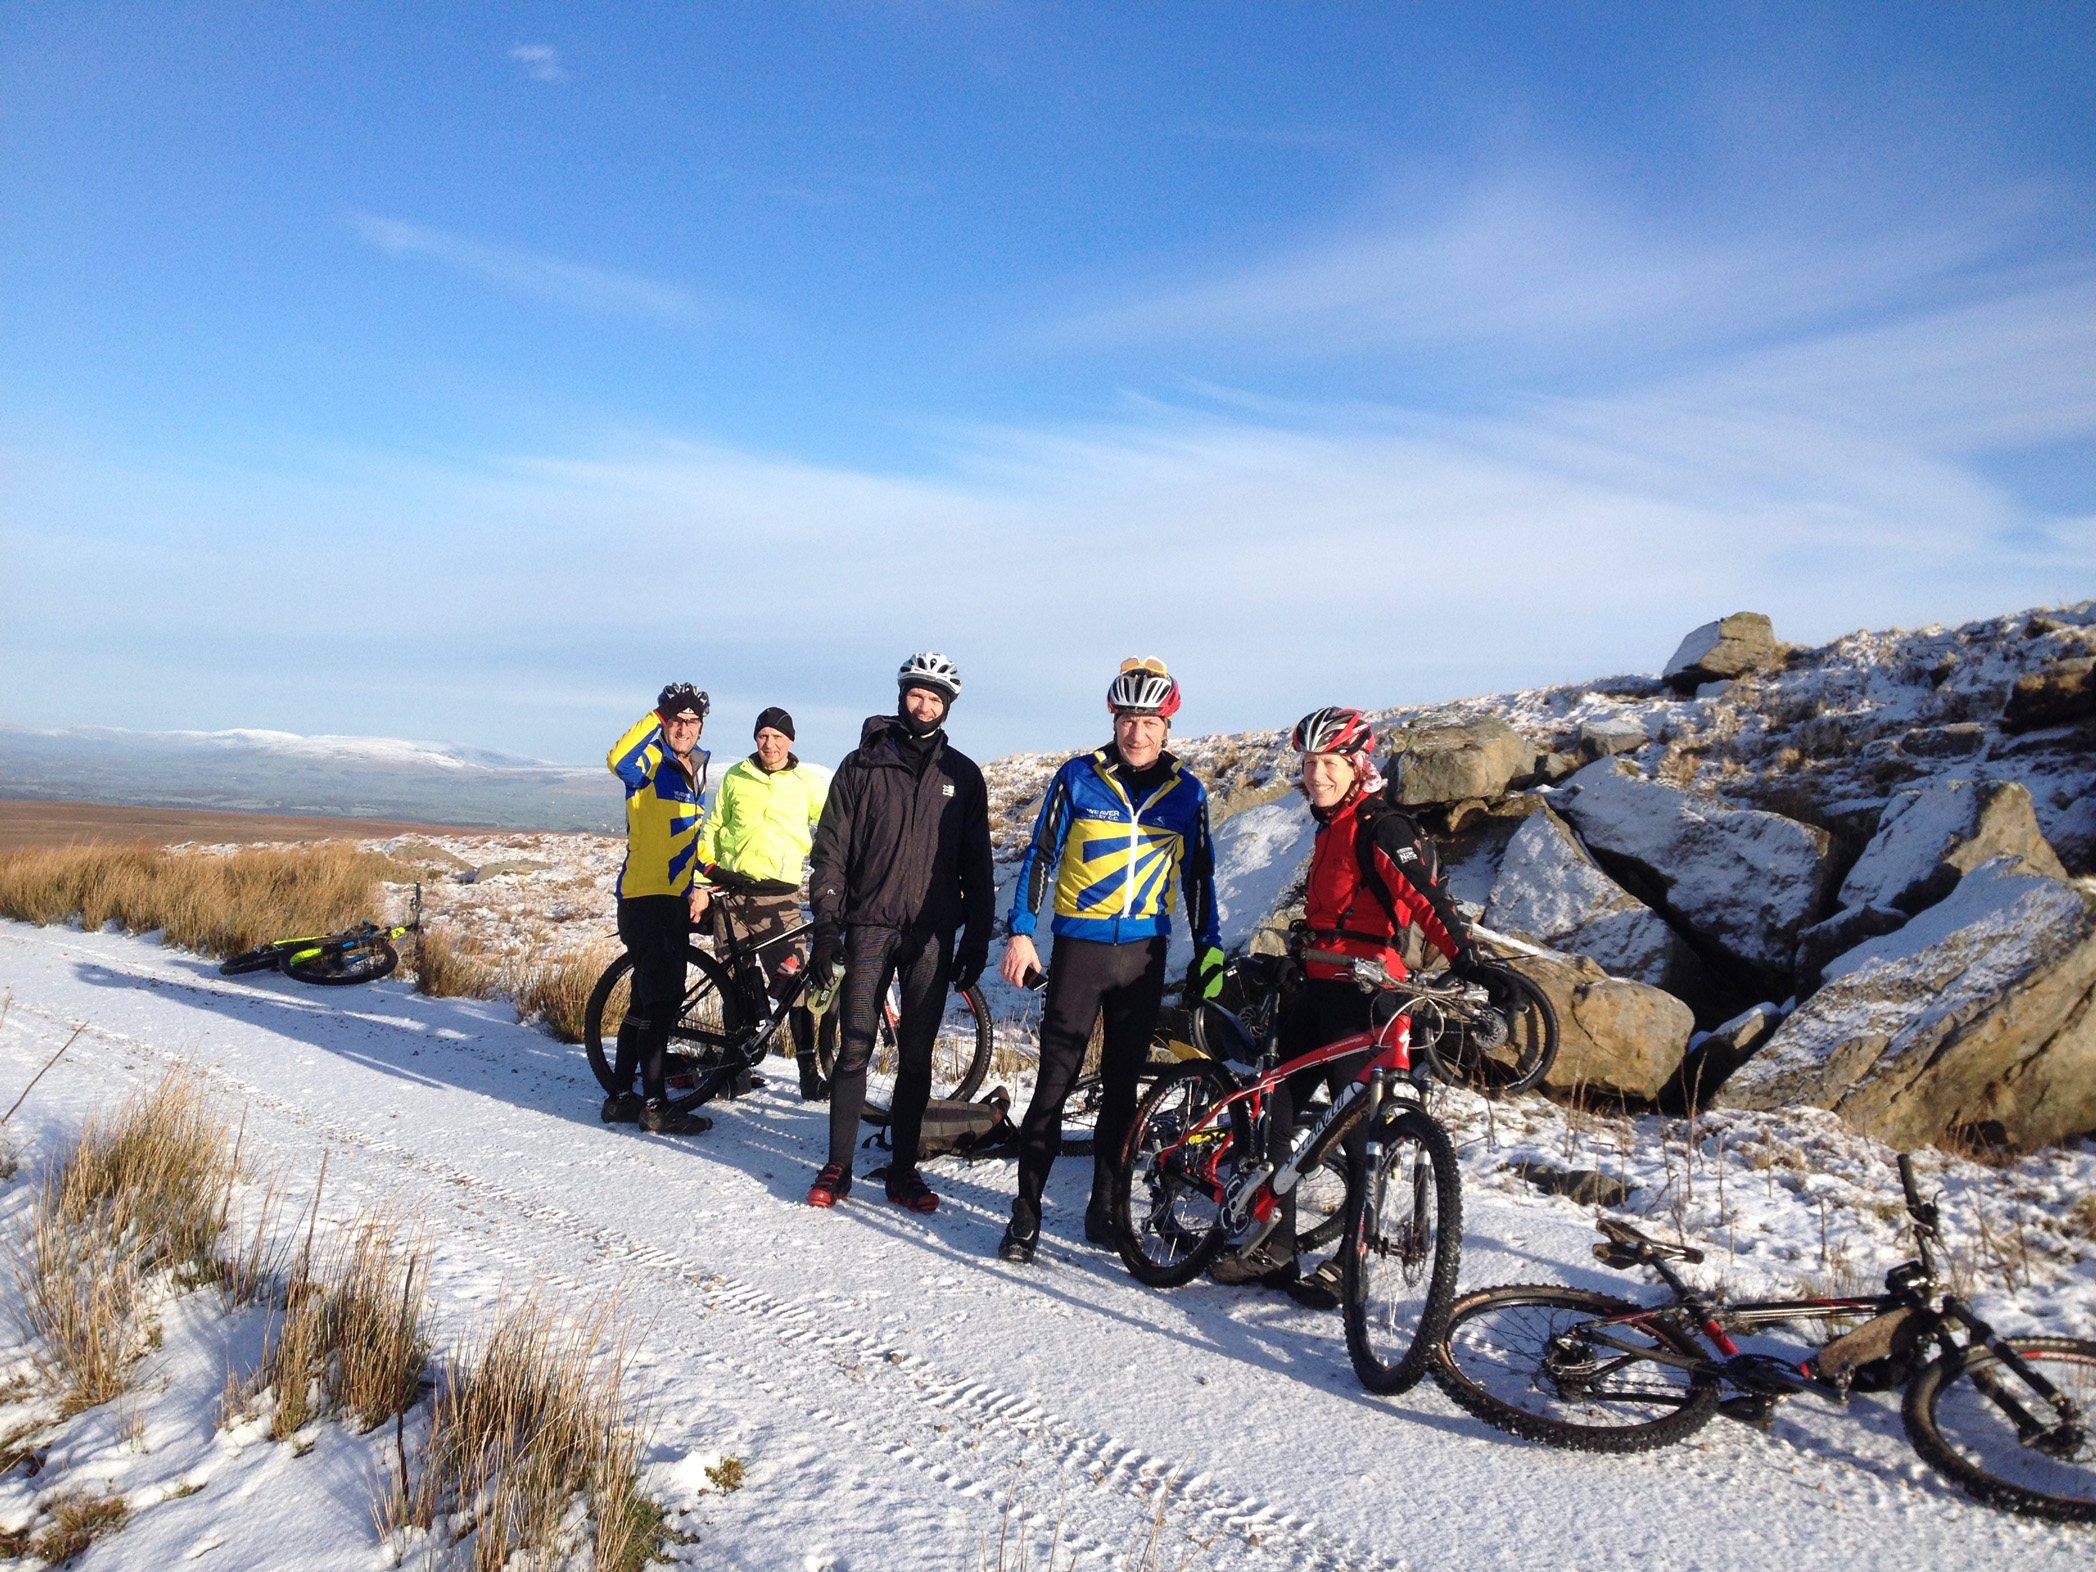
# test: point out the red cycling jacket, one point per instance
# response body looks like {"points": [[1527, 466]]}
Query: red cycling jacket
{"points": [[1372, 875]]}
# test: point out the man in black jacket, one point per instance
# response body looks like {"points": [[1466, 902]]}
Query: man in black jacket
{"points": [[901, 861]]}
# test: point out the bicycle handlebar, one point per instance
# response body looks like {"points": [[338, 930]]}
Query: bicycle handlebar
{"points": [[742, 884]]}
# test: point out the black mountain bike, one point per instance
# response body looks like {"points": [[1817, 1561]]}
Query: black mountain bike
{"points": [[361, 954], [2007, 1418], [730, 1017]]}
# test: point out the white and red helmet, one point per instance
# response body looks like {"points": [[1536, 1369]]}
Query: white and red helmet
{"points": [[1333, 730], [1143, 687]]}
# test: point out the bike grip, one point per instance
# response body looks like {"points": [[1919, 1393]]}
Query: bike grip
{"points": [[1906, 1173]]}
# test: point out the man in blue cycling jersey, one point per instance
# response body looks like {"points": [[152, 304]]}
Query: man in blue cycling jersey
{"points": [[1114, 829]]}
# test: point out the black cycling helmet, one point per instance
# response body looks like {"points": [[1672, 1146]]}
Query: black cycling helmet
{"points": [[681, 697]]}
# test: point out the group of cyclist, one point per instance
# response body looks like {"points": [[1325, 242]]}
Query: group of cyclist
{"points": [[901, 888]]}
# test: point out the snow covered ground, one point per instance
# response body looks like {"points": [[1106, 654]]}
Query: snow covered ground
{"points": [[890, 1386]]}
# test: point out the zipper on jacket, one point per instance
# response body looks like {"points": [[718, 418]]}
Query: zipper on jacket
{"points": [[1135, 830]]}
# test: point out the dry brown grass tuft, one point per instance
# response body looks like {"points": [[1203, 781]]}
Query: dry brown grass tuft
{"points": [[137, 1192], [557, 989], [531, 1424], [77, 1519], [445, 968], [353, 1339], [211, 904]]}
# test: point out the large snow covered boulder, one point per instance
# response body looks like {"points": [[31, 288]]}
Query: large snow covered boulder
{"points": [[1743, 879], [1975, 1017], [1616, 1038], [1932, 836], [1550, 889], [1449, 755], [1717, 651], [1610, 735]]}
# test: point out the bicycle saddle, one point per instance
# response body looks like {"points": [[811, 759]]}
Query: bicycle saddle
{"points": [[1627, 1246]]}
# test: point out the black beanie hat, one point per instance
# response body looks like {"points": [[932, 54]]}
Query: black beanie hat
{"points": [[777, 719]]}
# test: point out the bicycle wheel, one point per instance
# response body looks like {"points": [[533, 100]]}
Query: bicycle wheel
{"points": [[710, 1018], [336, 964], [1168, 1185], [1508, 1053], [262, 960], [1973, 1418], [1514, 1357], [960, 1051], [1400, 1251]]}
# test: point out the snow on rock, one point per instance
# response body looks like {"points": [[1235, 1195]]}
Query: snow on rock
{"points": [[1743, 878], [1744, 641], [1932, 836], [1974, 1016], [1608, 735], [1258, 855], [1550, 889], [1451, 755]]}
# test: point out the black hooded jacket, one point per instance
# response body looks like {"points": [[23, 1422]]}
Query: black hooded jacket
{"points": [[900, 849]]}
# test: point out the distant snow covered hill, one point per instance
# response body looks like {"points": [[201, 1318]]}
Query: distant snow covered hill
{"points": [[281, 772]]}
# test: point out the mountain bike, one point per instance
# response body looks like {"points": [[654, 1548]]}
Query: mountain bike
{"points": [[2006, 1418], [730, 1014], [1193, 1177], [361, 954]]}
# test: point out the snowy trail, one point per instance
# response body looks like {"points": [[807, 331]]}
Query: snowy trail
{"points": [[887, 1382]]}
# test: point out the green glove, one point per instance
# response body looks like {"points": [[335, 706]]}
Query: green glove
{"points": [[1204, 978]]}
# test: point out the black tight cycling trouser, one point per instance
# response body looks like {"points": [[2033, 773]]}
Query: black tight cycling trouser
{"points": [[1320, 1012], [656, 930], [920, 962], [1086, 978]]}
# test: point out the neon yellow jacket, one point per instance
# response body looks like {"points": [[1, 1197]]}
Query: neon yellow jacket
{"points": [[762, 824], [662, 809]]}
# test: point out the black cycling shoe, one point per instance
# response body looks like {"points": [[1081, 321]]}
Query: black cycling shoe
{"points": [[1016, 1247], [1098, 1226], [621, 1108], [1318, 1291], [814, 1089], [657, 1118]]}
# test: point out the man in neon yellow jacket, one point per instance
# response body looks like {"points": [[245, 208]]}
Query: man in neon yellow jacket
{"points": [[762, 825], [663, 768]]}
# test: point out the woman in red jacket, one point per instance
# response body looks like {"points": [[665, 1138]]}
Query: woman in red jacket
{"points": [[1372, 875]]}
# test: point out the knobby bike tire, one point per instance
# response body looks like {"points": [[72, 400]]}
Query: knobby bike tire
{"points": [[1530, 1051], [1167, 1230], [1401, 1250], [337, 964], [712, 1012], [262, 960], [1492, 1359], [1955, 1416], [1087, 1097], [960, 1053]]}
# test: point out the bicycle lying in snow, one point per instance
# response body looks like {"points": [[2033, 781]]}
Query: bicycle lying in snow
{"points": [[361, 954], [1193, 1179], [2007, 1418], [730, 1016]]}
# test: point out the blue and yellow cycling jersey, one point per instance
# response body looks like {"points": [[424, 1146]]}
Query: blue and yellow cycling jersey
{"points": [[1112, 857], [662, 809]]}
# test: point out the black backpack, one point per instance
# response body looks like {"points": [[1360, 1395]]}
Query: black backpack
{"points": [[956, 1129]]}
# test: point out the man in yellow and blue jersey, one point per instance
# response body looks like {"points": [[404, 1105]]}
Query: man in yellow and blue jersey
{"points": [[663, 768], [1117, 829]]}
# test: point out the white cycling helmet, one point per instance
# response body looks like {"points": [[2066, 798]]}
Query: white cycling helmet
{"points": [[933, 671], [1143, 687]]}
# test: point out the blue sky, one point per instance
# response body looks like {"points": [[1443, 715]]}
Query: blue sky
{"points": [[466, 372]]}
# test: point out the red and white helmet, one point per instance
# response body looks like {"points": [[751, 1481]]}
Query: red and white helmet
{"points": [[1332, 730], [1143, 687]]}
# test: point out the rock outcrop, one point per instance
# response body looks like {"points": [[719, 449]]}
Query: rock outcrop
{"points": [[1742, 880], [1601, 739], [1718, 651], [1932, 836], [1551, 890], [1449, 755], [1975, 1018], [1616, 1038], [2062, 692]]}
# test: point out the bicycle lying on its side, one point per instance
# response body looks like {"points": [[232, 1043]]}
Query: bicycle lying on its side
{"points": [[361, 954], [730, 1015], [2007, 1418]]}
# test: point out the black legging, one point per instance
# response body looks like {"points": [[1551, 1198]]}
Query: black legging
{"points": [[921, 962], [656, 930], [1320, 1012], [1085, 977]]}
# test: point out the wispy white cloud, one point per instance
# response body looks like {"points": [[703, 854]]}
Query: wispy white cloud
{"points": [[540, 62], [526, 273]]}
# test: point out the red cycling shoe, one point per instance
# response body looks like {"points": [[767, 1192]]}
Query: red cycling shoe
{"points": [[832, 1185], [909, 1191]]}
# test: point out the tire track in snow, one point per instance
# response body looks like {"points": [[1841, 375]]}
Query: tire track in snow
{"points": [[1027, 1435]]}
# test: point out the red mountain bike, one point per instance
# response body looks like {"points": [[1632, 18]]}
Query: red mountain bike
{"points": [[1193, 1177]]}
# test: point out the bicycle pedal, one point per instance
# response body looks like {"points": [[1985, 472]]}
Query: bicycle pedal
{"points": [[1757, 1412]]}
